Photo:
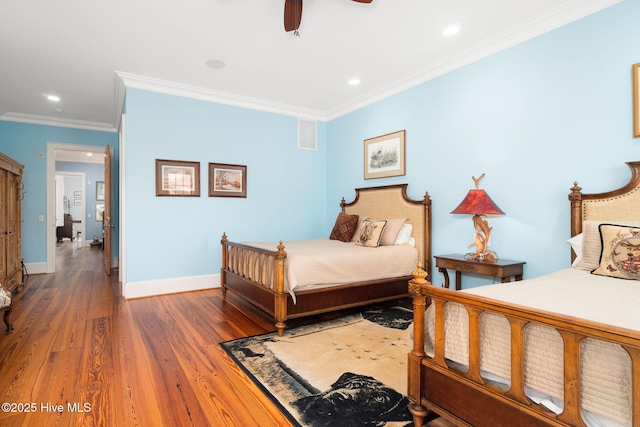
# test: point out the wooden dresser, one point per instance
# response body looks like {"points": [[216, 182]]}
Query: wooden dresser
{"points": [[10, 223]]}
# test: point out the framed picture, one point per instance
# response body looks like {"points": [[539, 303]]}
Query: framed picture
{"points": [[227, 180], [384, 155], [99, 212], [77, 194], [77, 202], [636, 99], [177, 178], [99, 190]]}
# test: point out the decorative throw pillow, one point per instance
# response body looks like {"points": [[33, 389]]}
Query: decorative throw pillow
{"points": [[344, 227], [371, 233], [391, 231], [359, 228], [620, 252], [591, 246]]}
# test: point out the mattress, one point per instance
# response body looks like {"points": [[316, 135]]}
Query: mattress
{"points": [[326, 262], [606, 368]]}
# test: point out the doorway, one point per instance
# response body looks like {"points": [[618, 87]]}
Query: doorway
{"points": [[73, 154], [70, 199]]}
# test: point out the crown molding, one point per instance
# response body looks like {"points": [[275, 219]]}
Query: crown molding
{"points": [[561, 15], [55, 121], [135, 81]]}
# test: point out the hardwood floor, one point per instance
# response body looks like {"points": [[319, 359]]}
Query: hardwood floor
{"points": [[81, 355]]}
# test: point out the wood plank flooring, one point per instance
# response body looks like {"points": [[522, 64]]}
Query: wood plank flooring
{"points": [[80, 355]]}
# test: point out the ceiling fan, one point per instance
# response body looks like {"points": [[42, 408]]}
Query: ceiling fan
{"points": [[293, 13]]}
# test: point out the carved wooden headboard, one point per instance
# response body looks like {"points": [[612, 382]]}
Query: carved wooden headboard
{"points": [[622, 204], [392, 201]]}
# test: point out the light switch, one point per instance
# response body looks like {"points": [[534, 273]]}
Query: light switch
{"points": [[41, 218]]}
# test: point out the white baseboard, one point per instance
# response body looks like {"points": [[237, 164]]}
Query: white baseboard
{"points": [[36, 267], [169, 286]]}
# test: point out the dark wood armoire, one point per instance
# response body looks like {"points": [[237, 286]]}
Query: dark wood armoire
{"points": [[10, 223]]}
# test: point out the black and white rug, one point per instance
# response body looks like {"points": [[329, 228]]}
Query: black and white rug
{"points": [[348, 372]]}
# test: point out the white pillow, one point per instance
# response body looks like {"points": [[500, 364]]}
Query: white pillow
{"points": [[576, 245], [391, 230], [359, 228], [404, 235]]}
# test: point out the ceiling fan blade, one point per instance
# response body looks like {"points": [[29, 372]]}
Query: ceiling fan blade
{"points": [[292, 14], [363, 1]]}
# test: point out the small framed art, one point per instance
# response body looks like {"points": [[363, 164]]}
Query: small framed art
{"points": [[636, 100], [384, 155], [99, 212], [227, 180], [99, 190], [177, 178]]}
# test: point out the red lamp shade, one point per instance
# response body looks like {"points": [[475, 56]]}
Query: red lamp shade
{"points": [[477, 202]]}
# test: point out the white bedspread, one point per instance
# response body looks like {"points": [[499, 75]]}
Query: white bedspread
{"points": [[606, 368], [330, 262]]}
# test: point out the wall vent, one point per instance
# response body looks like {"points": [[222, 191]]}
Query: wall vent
{"points": [[307, 135]]}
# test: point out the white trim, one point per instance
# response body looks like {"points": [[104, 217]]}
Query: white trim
{"points": [[35, 267], [151, 84], [122, 206], [55, 121], [150, 288]]}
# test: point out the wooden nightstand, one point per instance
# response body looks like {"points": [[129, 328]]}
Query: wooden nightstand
{"points": [[501, 268]]}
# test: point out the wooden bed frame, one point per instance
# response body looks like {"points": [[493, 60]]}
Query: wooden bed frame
{"points": [[464, 398], [258, 275]]}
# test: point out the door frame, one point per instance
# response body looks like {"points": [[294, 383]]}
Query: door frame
{"points": [[52, 147]]}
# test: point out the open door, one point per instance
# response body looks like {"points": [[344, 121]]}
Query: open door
{"points": [[107, 224]]}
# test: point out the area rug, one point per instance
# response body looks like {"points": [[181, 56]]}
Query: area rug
{"points": [[348, 372]]}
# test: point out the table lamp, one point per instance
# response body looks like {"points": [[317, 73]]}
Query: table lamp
{"points": [[478, 203]]}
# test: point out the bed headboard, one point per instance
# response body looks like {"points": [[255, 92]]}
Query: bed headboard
{"points": [[391, 201], [622, 204]]}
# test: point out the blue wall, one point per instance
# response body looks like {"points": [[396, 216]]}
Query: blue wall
{"points": [[25, 143], [534, 118], [169, 237]]}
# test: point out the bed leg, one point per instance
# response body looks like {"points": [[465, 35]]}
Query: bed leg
{"points": [[280, 305], [419, 413]]}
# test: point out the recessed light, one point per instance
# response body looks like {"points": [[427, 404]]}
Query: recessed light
{"points": [[354, 81], [89, 154], [215, 64], [451, 30], [53, 98]]}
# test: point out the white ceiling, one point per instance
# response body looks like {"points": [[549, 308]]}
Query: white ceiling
{"points": [[95, 155], [87, 51]]}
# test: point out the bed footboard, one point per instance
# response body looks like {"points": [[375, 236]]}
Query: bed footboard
{"points": [[466, 399], [258, 275]]}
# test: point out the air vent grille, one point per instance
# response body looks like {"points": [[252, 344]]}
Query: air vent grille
{"points": [[307, 134]]}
